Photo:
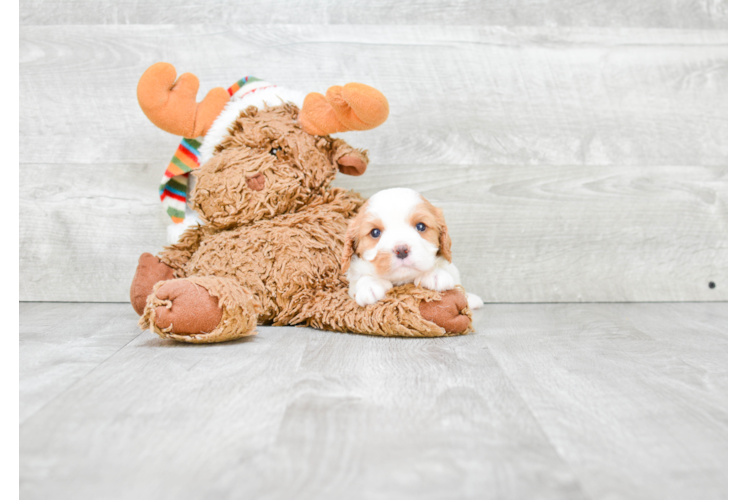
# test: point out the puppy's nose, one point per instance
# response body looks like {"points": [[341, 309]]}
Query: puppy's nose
{"points": [[256, 182], [402, 251]]}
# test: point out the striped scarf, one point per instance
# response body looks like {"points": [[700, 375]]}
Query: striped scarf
{"points": [[175, 183]]}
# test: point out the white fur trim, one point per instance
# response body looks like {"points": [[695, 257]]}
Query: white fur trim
{"points": [[174, 231], [272, 96]]}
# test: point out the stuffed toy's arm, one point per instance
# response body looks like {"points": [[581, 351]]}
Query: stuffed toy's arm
{"points": [[406, 311]]}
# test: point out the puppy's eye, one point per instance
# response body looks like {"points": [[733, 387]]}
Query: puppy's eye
{"points": [[421, 226], [274, 151], [375, 233]]}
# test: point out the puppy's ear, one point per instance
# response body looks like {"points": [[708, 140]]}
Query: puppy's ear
{"points": [[351, 241], [348, 160], [445, 242]]}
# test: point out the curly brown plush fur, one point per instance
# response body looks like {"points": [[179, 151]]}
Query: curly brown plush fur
{"points": [[271, 245]]}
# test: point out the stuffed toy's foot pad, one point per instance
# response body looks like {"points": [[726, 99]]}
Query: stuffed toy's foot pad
{"points": [[149, 272], [189, 308], [448, 312]]}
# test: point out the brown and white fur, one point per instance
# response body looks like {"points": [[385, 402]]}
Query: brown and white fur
{"points": [[398, 237]]}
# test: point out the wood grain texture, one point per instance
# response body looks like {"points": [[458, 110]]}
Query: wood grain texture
{"points": [[562, 401], [575, 163], [458, 95], [735, 193], [62, 343], [738, 374], [81, 232], [520, 234], [704, 14], [466, 431], [624, 404], [734, 111]]}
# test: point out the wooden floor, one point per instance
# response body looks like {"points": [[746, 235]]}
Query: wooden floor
{"points": [[544, 401]]}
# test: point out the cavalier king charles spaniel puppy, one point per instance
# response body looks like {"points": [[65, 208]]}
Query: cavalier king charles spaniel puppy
{"points": [[399, 237]]}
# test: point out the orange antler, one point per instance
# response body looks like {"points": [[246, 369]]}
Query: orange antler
{"points": [[353, 107], [172, 106]]}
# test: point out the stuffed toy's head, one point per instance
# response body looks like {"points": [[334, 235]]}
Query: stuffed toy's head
{"points": [[268, 165], [256, 154]]}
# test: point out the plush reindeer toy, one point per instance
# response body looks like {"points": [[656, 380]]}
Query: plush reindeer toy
{"points": [[269, 245]]}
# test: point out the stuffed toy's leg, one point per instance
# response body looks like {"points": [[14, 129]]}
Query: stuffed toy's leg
{"points": [[200, 309], [406, 311], [149, 272], [168, 265]]}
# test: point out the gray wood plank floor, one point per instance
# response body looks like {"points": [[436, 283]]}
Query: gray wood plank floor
{"points": [[738, 375], [544, 401]]}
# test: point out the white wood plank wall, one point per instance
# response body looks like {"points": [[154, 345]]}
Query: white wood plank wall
{"points": [[579, 149], [735, 115]]}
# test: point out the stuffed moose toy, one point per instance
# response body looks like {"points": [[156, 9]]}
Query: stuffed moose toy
{"points": [[269, 245]]}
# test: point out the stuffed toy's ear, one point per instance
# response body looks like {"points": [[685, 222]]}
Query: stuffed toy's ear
{"points": [[171, 105], [352, 165], [354, 106], [348, 160]]}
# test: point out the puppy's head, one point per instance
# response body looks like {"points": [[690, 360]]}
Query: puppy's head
{"points": [[400, 233]]}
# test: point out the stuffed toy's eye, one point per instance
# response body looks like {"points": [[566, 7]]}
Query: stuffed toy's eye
{"points": [[375, 233], [274, 151], [421, 226]]}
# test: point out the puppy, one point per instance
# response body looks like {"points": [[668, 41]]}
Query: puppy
{"points": [[399, 237]]}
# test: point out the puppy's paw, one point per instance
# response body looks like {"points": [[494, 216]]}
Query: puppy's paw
{"points": [[370, 291], [474, 301], [438, 280]]}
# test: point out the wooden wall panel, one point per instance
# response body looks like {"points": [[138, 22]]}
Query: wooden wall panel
{"points": [[702, 14], [457, 95], [576, 161], [520, 234], [734, 110]]}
